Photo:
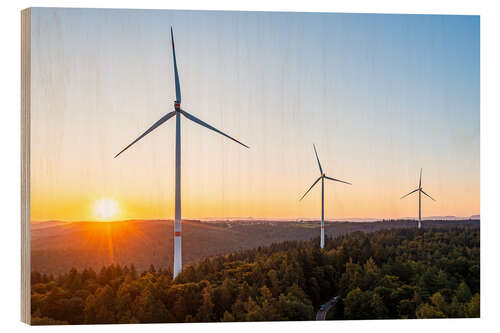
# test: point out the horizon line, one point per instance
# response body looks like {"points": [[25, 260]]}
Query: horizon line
{"points": [[263, 219]]}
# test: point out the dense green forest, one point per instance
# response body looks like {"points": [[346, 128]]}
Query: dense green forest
{"points": [[398, 273]]}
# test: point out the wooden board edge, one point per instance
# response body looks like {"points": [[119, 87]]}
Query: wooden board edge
{"points": [[25, 164]]}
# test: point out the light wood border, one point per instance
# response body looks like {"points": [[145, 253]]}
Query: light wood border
{"points": [[25, 164]]}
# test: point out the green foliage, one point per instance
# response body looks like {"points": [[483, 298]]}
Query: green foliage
{"points": [[463, 293], [428, 311], [396, 273], [364, 305], [472, 309]]}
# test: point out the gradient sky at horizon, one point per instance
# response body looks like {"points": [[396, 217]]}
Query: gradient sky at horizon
{"points": [[381, 96]]}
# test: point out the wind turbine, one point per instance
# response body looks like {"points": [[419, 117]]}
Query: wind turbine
{"points": [[322, 176], [177, 113], [420, 191]]}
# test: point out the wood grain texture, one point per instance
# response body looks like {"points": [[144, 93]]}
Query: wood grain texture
{"points": [[25, 163]]}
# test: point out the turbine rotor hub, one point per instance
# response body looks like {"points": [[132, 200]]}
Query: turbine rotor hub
{"points": [[177, 106]]}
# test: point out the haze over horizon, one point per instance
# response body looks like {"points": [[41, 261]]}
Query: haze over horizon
{"points": [[257, 219], [381, 96]]}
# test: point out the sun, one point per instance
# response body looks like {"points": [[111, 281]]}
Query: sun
{"points": [[105, 209]]}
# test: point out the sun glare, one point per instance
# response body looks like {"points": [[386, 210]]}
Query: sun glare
{"points": [[105, 209]]}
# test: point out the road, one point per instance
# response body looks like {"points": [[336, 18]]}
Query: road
{"points": [[321, 315]]}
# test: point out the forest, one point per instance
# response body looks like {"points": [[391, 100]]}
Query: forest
{"points": [[396, 273]]}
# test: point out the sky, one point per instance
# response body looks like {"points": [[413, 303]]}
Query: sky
{"points": [[381, 96]]}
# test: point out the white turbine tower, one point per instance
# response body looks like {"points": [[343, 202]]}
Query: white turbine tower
{"points": [[177, 113], [420, 191], [322, 177]]}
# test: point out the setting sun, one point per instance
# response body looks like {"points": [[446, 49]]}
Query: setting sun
{"points": [[105, 209]]}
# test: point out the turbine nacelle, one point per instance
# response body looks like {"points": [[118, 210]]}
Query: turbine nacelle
{"points": [[177, 106], [322, 175]]}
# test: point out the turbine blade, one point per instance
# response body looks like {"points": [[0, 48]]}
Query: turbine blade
{"points": [[420, 179], [404, 196], [428, 195], [204, 124], [310, 188], [337, 180], [317, 158], [176, 74], [155, 125]]}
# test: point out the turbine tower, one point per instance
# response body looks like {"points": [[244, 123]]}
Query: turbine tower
{"points": [[177, 113], [420, 191], [322, 176]]}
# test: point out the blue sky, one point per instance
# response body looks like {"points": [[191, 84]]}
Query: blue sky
{"points": [[380, 95]]}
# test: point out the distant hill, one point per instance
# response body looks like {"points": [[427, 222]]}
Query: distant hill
{"points": [[451, 218], [58, 246]]}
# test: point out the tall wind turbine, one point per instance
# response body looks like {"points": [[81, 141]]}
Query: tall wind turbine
{"points": [[420, 191], [322, 176], [177, 113]]}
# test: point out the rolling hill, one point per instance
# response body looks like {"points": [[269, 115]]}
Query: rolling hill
{"points": [[58, 246]]}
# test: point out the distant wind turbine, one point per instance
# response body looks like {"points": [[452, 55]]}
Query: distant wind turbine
{"points": [[177, 113], [322, 177], [420, 191]]}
